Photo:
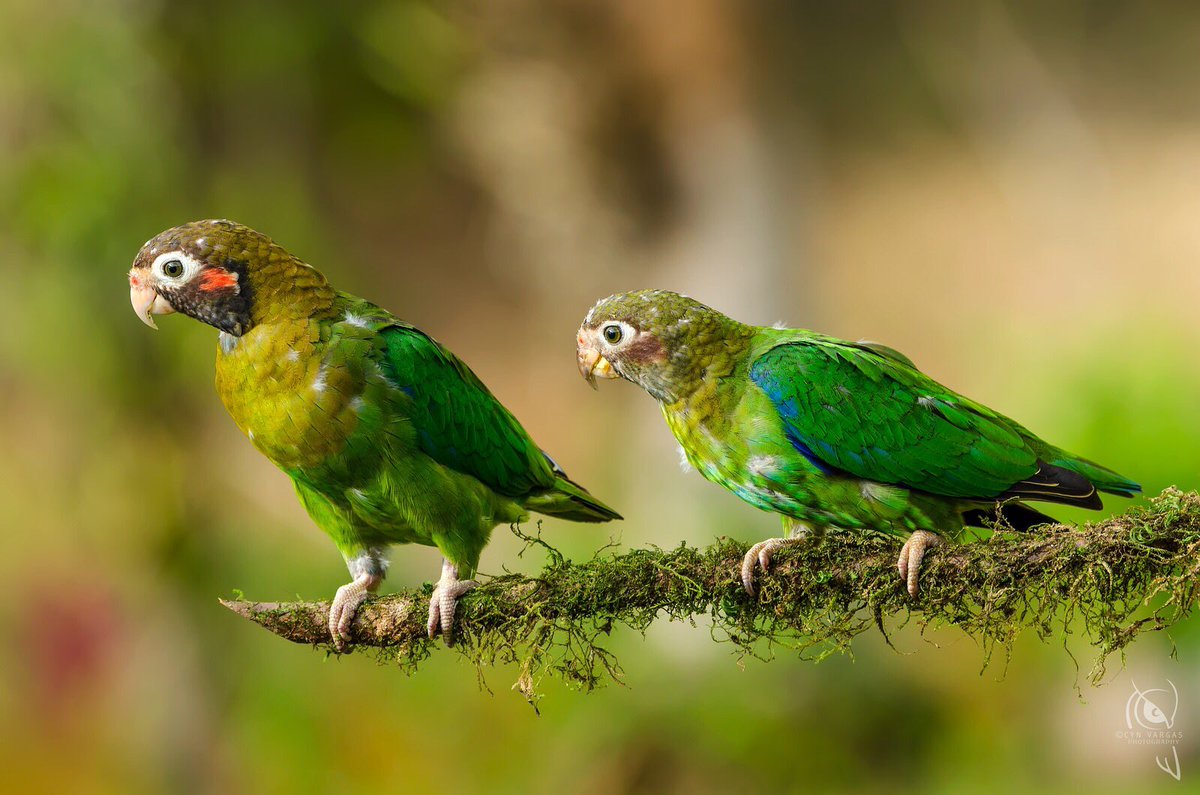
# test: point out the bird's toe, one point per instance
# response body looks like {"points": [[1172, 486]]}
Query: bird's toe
{"points": [[444, 601], [448, 606], [749, 561], [760, 555], [341, 615], [335, 620], [911, 556], [344, 608], [435, 615]]}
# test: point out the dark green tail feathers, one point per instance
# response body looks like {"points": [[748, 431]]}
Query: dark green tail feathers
{"points": [[569, 500], [1071, 481], [1102, 478], [1067, 481]]}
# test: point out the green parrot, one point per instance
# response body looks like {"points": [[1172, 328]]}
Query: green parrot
{"points": [[388, 437], [830, 433]]}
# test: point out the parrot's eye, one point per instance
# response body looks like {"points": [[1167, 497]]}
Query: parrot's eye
{"points": [[612, 334], [176, 266]]}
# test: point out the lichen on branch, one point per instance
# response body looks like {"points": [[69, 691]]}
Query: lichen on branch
{"points": [[1108, 580]]}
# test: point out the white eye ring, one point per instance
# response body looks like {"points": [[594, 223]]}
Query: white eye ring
{"points": [[616, 333], [190, 267]]}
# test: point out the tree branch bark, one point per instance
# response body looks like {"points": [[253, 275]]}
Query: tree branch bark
{"points": [[1094, 579]]}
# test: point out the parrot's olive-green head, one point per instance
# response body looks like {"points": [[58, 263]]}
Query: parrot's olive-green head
{"points": [[659, 340], [221, 273]]}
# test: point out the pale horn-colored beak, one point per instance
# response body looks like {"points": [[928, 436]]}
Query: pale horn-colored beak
{"points": [[591, 364], [146, 302]]}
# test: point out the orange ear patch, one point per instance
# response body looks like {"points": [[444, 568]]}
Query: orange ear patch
{"points": [[215, 279]]}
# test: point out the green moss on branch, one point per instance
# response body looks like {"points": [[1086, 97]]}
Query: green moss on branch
{"points": [[1095, 579]]}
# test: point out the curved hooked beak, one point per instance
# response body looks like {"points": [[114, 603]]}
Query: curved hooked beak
{"points": [[591, 363], [145, 301]]}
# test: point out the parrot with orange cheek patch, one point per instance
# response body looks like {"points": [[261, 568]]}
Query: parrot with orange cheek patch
{"points": [[388, 437], [830, 433]]}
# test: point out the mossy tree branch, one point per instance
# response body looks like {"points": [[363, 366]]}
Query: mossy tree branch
{"points": [[819, 596]]}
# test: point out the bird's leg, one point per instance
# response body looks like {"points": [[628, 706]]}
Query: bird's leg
{"points": [[911, 555], [760, 554], [367, 570], [444, 601]]}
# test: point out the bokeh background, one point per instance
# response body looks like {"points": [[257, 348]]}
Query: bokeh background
{"points": [[1008, 192]]}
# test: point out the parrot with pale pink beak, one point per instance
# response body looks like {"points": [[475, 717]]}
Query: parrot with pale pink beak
{"points": [[388, 437], [830, 433]]}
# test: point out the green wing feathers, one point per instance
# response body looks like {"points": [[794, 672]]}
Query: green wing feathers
{"points": [[870, 413], [461, 425]]}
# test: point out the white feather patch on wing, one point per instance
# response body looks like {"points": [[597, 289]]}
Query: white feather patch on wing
{"points": [[685, 466]]}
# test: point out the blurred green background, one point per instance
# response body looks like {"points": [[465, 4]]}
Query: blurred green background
{"points": [[1008, 192]]}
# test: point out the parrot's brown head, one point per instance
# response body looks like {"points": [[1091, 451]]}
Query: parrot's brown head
{"points": [[221, 273], [662, 341]]}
